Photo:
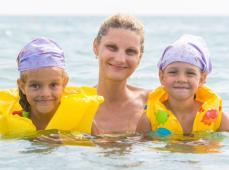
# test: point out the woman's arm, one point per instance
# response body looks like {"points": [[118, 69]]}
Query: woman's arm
{"points": [[144, 125]]}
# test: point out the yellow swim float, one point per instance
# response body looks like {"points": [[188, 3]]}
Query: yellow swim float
{"points": [[75, 113], [164, 122]]}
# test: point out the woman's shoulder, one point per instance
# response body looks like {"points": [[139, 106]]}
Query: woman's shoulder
{"points": [[140, 91]]}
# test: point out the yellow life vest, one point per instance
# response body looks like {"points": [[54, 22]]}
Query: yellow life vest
{"points": [[164, 122], [75, 112]]}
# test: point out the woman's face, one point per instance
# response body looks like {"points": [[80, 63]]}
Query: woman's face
{"points": [[119, 53]]}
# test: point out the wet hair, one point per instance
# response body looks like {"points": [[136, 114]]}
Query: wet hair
{"points": [[122, 21], [22, 97]]}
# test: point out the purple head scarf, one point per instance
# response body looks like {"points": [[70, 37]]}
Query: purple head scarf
{"points": [[41, 52], [189, 49]]}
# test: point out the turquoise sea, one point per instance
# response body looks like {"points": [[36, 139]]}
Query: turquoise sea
{"points": [[75, 35]]}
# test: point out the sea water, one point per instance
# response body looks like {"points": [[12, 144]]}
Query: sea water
{"points": [[75, 35]]}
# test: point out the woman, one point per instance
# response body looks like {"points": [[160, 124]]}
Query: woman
{"points": [[119, 47]]}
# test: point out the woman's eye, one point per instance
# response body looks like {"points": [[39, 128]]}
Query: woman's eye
{"points": [[112, 47], [131, 52]]}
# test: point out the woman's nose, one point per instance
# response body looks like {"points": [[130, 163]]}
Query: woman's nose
{"points": [[121, 56]]}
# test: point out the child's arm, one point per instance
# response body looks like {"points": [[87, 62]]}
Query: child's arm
{"points": [[224, 123]]}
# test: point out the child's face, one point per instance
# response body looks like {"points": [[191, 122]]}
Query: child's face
{"points": [[182, 80], [43, 89]]}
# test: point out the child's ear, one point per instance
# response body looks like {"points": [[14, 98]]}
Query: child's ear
{"points": [[161, 77], [203, 78], [66, 80], [21, 85]]}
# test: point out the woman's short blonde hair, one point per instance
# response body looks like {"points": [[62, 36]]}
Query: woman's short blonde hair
{"points": [[121, 21]]}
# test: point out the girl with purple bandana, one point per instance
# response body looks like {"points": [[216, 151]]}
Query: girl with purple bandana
{"points": [[183, 104], [45, 101], [42, 80]]}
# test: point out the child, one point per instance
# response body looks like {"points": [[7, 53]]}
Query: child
{"points": [[45, 103], [183, 105]]}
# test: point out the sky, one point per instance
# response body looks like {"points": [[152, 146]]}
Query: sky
{"points": [[106, 7]]}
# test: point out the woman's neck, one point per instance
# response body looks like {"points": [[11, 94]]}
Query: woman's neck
{"points": [[113, 91]]}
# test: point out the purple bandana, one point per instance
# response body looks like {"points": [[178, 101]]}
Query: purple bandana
{"points": [[41, 52], [189, 49]]}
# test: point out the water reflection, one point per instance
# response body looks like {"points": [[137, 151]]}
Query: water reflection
{"points": [[197, 143], [40, 148], [123, 144], [200, 146], [109, 145], [117, 144]]}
